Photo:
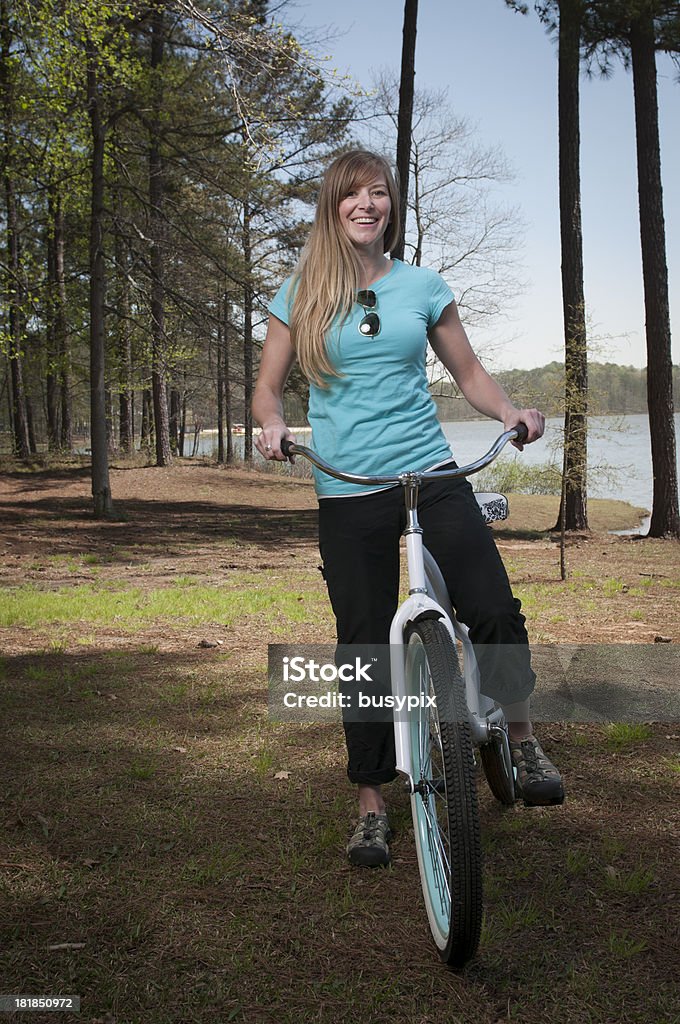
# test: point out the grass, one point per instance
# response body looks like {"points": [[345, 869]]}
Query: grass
{"points": [[625, 946], [129, 606], [624, 735], [577, 862], [633, 882]]}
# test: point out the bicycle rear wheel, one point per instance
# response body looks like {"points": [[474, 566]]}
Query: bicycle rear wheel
{"points": [[444, 805]]}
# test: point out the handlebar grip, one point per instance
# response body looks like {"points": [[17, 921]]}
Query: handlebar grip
{"points": [[287, 447], [522, 432]]}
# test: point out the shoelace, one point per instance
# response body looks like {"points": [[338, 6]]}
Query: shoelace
{"points": [[371, 826], [531, 759]]}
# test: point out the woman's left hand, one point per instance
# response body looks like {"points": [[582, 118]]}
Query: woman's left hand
{"points": [[533, 420]]}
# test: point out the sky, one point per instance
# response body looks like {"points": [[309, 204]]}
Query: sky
{"points": [[500, 70]]}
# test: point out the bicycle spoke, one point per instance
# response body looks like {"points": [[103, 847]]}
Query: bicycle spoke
{"points": [[440, 862]]}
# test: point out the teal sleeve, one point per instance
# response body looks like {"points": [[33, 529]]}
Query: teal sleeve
{"points": [[282, 303], [440, 297]]}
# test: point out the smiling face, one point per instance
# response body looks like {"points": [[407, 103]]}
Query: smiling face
{"points": [[364, 213]]}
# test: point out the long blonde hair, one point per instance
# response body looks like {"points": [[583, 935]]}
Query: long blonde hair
{"points": [[327, 277]]}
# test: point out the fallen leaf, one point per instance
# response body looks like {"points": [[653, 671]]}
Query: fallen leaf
{"points": [[180, 750], [282, 775]]}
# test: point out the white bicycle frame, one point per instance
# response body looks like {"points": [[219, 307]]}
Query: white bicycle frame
{"points": [[429, 597]]}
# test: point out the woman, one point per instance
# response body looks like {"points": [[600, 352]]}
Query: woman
{"points": [[358, 323]]}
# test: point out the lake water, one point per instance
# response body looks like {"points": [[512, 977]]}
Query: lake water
{"points": [[619, 452]]}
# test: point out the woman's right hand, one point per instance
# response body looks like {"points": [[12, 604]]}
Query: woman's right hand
{"points": [[268, 443]]}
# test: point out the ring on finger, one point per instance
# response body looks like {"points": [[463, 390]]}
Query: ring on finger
{"points": [[268, 448]]}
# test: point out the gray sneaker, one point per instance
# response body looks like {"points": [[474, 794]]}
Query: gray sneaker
{"points": [[368, 846], [538, 780]]}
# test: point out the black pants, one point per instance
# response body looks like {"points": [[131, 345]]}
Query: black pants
{"points": [[359, 544]]}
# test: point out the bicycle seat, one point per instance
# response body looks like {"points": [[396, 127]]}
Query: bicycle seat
{"points": [[494, 506]]}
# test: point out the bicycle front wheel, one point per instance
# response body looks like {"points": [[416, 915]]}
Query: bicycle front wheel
{"points": [[444, 804]]}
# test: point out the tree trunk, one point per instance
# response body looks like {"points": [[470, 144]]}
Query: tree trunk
{"points": [[219, 384], [61, 328], [51, 354], [247, 336], [665, 521], [146, 436], [110, 426], [158, 346], [175, 416], [58, 373], [101, 488], [183, 416], [14, 288], [573, 513], [126, 430], [405, 116], [33, 447], [417, 209], [228, 415]]}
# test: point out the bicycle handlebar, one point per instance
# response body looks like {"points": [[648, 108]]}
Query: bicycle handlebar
{"points": [[518, 433]]}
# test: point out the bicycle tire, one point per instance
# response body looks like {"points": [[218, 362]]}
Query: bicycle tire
{"points": [[501, 784], [444, 806]]}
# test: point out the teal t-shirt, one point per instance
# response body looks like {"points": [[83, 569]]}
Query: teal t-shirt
{"points": [[379, 416]]}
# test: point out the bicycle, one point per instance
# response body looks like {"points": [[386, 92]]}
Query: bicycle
{"points": [[435, 747]]}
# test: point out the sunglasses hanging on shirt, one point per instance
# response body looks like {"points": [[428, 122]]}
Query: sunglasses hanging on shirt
{"points": [[369, 326]]}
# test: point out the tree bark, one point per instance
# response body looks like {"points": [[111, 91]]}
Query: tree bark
{"points": [[573, 513], [59, 357], [146, 434], [101, 488], [183, 415], [158, 345], [61, 329], [665, 520], [405, 116], [110, 426], [247, 335], [22, 447], [51, 354], [228, 414], [219, 384], [126, 434], [175, 417]]}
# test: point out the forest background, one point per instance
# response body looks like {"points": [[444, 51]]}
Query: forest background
{"points": [[160, 163]]}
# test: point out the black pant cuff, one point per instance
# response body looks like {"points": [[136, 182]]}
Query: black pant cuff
{"points": [[377, 778]]}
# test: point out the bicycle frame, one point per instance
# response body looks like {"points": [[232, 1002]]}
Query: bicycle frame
{"points": [[428, 595]]}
